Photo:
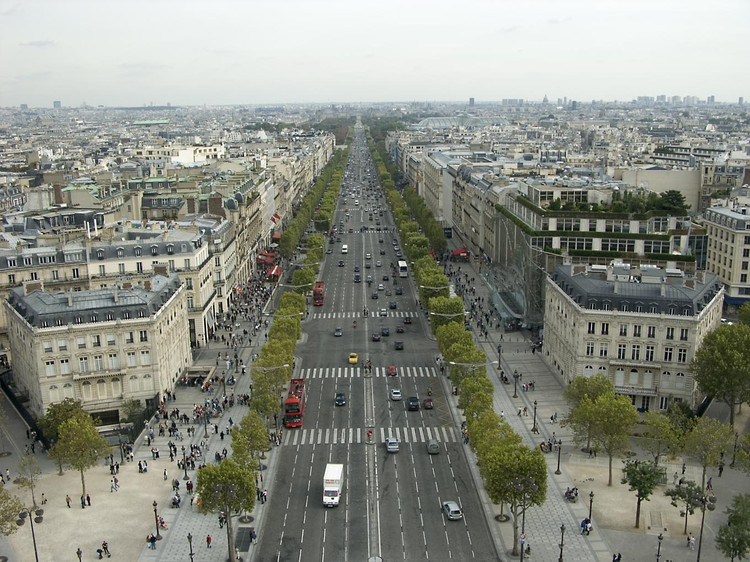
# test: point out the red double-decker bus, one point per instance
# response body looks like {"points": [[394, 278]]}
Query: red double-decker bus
{"points": [[294, 404], [319, 293]]}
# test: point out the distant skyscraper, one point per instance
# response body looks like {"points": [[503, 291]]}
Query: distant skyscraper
{"points": [[57, 104], [26, 106], [711, 99], [471, 102], [741, 101]]}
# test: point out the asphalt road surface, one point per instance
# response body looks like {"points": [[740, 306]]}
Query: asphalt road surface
{"points": [[391, 503]]}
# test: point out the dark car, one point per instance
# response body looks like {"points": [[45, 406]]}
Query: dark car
{"points": [[376, 337], [399, 329], [340, 399], [385, 278], [382, 252], [428, 404], [412, 403], [399, 291], [356, 268], [399, 345], [385, 331], [392, 305], [341, 263], [407, 320], [375, 296], [357, 278]]}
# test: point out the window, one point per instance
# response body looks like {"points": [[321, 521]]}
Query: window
{"points": [[102, 270], [98, 362], [651, 332], [602, 350], [683, 334], [55, 275], [743, 278], [96, 341], [137, 251], [633, 377], [12, 279], [143, 335], [64, 366], [86, 390], [667, 354], [589, 349], [112, 361], [47, 346], [637, 331], [139, 266], [129, 337], [81, 343], [623, 329], [635, 352], [154, 250], [670, 333], [76, 273], [34, 276], [62, 345], [111, 340], [145, 358], [187, 264], [121, 268], [217, 261], [682, 355], [605, 328], [592, 327], [621, 350], [188, 283], [83, 364], [131, 359], [649, 353], [120, 252], [190, 302], [49, 368], [679, 380], [663, 402]]}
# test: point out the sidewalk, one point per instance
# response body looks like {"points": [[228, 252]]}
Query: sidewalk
{"points": [[613, 513]]}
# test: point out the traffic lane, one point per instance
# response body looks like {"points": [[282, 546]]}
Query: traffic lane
{"points": [[391, 522]]}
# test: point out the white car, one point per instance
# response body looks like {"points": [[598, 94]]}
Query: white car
{"points": [[383, 312], [391, 444], [368, 256], [395, 394]]}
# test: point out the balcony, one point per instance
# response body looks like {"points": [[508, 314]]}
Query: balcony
{"points": [[636, 390]]}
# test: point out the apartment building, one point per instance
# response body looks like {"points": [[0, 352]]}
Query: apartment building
{"points": [[101, 347], [728, 254], [640, 326]]}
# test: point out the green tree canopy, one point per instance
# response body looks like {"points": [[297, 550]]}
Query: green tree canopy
{"points": [[706, 442], [662, 435], [79, 444], [580, 389], [733, 539], [444, 310], [642, 477], [687, 496], [292, 301], [10, 507], [249, 440], [56, 414], [722, 365]]}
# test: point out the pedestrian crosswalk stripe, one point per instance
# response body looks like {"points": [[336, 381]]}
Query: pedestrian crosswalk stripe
{"points": [[356, 372], [357, 435], [374, 314]]}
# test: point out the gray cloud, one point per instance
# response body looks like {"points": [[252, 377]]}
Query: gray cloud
{"points": [[38, 44]]}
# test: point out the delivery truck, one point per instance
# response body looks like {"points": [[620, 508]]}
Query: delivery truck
{"points": [[333, 484]]}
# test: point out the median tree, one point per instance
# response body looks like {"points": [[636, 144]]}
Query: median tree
{"points": [[722, 365], [249, 440], [686, 496], [733, 539], [28, 474], [642, 477], [662, 436], [80, 445], [707, 442]]}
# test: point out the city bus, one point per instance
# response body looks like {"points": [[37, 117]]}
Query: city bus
{"points": [[403, 269], [294, 405]]}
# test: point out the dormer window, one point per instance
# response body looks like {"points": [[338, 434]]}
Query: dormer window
{"points": [[137, 250], [154, 250], [120, 252], [100, 254], [170, 249]]}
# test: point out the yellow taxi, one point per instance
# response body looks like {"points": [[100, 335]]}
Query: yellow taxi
{"points": [[353, 358]]}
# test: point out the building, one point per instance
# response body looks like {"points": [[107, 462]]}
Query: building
{"points": [[639, 326], [728, 254], [102, 347]]}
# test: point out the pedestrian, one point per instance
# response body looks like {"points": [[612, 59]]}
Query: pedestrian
{"points": [[683, 468], [721, 468], [709, 486], [88, 500], [675, 477], [692, 543], [254, 536], [44, 499], [265, 496], [208, 541], [83, 502], [111, 485], [7, 475], [165, 474], [105, 549], [619, 557], [67, 500], [152, 541]]}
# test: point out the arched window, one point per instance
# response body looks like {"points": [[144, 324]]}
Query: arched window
{"points": [[68, 390], [148, 382], [116, 387], [679, 380], [648, 378], [86, 390], [54, 393], [101, 388], [588, 371], [134, 384], [620, 377], [633, 377]]}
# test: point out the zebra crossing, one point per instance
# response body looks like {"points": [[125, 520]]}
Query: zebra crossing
{"points": [[356, 372], [373, 314], [358, 435]]}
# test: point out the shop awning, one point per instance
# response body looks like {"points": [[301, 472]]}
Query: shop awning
{"points": [[276, 236], [265, 259], [460, 252], [275, 271], [267, 253]]}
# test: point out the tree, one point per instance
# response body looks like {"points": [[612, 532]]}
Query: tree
{"points": [[686, 496], [707, 442], [303, 280], [249, 440], [293, 301], [642, 477], [10, 507], [743, 313], [453, 332], [226, 488], [130, 410], [56, 414], [662, 436], [265, 400], [578, 389], [471, 386], [516, 475], [722, 365], [28, 474], [609, 419], [79, 445], [733, 539]]}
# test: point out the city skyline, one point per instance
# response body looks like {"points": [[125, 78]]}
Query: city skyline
{"points": [[332, 51]]}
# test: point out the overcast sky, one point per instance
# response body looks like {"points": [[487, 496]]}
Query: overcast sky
{"points": [[185, 52]]}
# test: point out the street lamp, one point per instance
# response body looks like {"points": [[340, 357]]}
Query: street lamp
{"points": [[591, 502], [525, 487], [533, 427], [27, 513], [562, 542], [559, 448], [515, 385], [658, 548], [184, 464], [706, 502], [156, 521], [190, 543]]}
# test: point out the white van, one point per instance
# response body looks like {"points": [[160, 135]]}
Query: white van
{"points": [[356, 202], [345, 249]]}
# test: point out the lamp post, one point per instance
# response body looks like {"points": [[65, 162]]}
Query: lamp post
{"points": [[706, 502], [734, 451], [524, 487], [184, 464], [591, 502], [559, 448], [499, 356], [205, 423], [562, 542], [658, 548], [515, 392], [533, 427], [156, 520], [190, 544], [27, 513]]}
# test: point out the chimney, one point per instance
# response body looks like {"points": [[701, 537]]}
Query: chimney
{"points": [[663, 288], [147, 284], [115, 294]]}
